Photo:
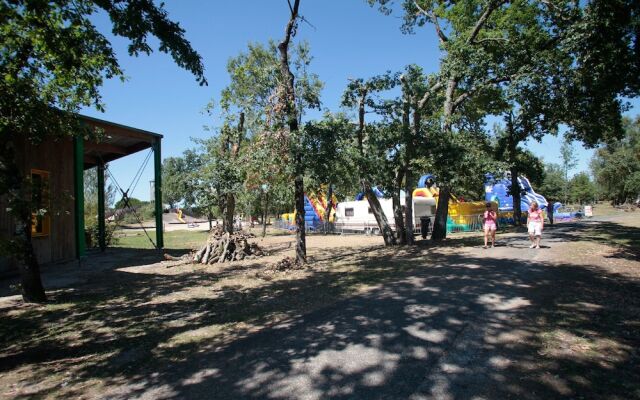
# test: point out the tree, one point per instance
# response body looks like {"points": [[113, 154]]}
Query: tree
{"points": [[53, 61], [616, 165], [569, 162], [582, 189], [529, 121], [289, 110], [250, 103], [173, 180], [357, 95], [330, 154], [553, 182]]}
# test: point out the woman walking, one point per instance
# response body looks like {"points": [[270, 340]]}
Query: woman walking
{"points": [[490, 226], [535, 223]]}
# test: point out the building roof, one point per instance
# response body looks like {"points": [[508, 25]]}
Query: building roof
{"points": [[116, 141]]}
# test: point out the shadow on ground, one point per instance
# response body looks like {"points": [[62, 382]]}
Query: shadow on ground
{"points": [[442, 326]]}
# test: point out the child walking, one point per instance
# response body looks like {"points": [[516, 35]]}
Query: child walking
{"points": [[490, 226], [535, 225]]}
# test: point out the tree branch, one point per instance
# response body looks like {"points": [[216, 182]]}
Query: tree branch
{"points": [[427, 95], [283, 47], [434, 19], [491, 7], [460, 99], [487, 40]]}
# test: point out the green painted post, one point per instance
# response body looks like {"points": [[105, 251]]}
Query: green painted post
{"points": [[78, 175], [157, 167], [102, 237]]}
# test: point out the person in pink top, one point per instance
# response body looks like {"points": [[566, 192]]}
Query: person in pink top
{"points": [[535, 224], [489, 220]]}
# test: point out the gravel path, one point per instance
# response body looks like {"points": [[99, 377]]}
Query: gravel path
{"points": [[508, 322]]}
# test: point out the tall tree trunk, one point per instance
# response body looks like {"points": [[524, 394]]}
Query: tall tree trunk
{"points": [[31, 282], [398, 217], [397, 207], [512, 144], [289, 104], [222, 206], [408, 155], [517, 198], [327, 211], [378, 213], [210, 218], [374, 203], [301, 241], [452, 84], [229, 211], [440, 225], [265, 214]]}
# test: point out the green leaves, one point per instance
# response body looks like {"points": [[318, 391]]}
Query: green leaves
{"points": [[616, 166]]}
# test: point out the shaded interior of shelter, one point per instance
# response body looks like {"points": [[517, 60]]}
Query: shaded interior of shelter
{"points": [[113, 142]]}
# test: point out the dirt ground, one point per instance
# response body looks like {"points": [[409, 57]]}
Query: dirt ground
{"points": [[361, 321]]}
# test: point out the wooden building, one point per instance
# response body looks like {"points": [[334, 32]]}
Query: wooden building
{"points": [[56, 168]]}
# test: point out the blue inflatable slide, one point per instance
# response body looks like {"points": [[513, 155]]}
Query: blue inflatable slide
{"points": [[498, 190]]}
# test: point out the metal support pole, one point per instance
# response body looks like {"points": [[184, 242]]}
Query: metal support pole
{"points": [[102, 237], [78, 174], [157, 167]]}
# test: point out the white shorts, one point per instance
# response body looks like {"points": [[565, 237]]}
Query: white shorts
{"points": [[535, 228]]}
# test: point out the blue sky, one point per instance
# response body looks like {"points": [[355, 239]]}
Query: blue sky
{"points": [[348, 39]]}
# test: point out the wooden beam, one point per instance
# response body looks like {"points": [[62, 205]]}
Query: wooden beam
{"points": [[104, 148], [90, 160], [116, 130]]}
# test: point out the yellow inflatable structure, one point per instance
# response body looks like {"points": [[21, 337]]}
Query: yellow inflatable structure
{"points": [[315, 206], [460, 212]]}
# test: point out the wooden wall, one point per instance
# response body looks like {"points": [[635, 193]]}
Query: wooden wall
{"points": [[56, 157]]}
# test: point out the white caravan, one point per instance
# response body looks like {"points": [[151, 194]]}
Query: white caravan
{"points": [[357, 216]]}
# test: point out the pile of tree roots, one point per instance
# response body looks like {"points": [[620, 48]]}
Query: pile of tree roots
{"points": [[222, 247]]}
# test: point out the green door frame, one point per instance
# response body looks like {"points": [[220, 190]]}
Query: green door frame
{"points": [[157, 196], [78, 189], [102, 237]]}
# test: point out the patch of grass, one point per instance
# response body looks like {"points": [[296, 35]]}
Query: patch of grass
{"points": [[176, 240]]}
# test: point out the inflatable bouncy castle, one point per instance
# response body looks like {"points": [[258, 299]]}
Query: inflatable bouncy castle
{"points": [[463, 215], [498, 190], [315, 209]]}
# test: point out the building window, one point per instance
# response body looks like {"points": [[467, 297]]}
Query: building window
{"points": [[40, 217], [348, 212]]}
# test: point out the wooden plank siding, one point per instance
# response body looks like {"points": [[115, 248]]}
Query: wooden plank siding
{"points": [[56, 157]]}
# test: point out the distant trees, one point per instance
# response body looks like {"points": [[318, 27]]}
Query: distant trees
{"points": [[91, 194], [553, 183], [582, 189], [569, 160], [616, 165], [175, 172]]}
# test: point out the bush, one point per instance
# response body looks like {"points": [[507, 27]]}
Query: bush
{"points": [[92, 233], [144, 212]]}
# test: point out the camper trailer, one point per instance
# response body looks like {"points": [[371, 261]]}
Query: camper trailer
{"points": [[356, 216]]}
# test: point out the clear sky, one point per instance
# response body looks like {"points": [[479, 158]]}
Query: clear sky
{"points": [[347, 38]]}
